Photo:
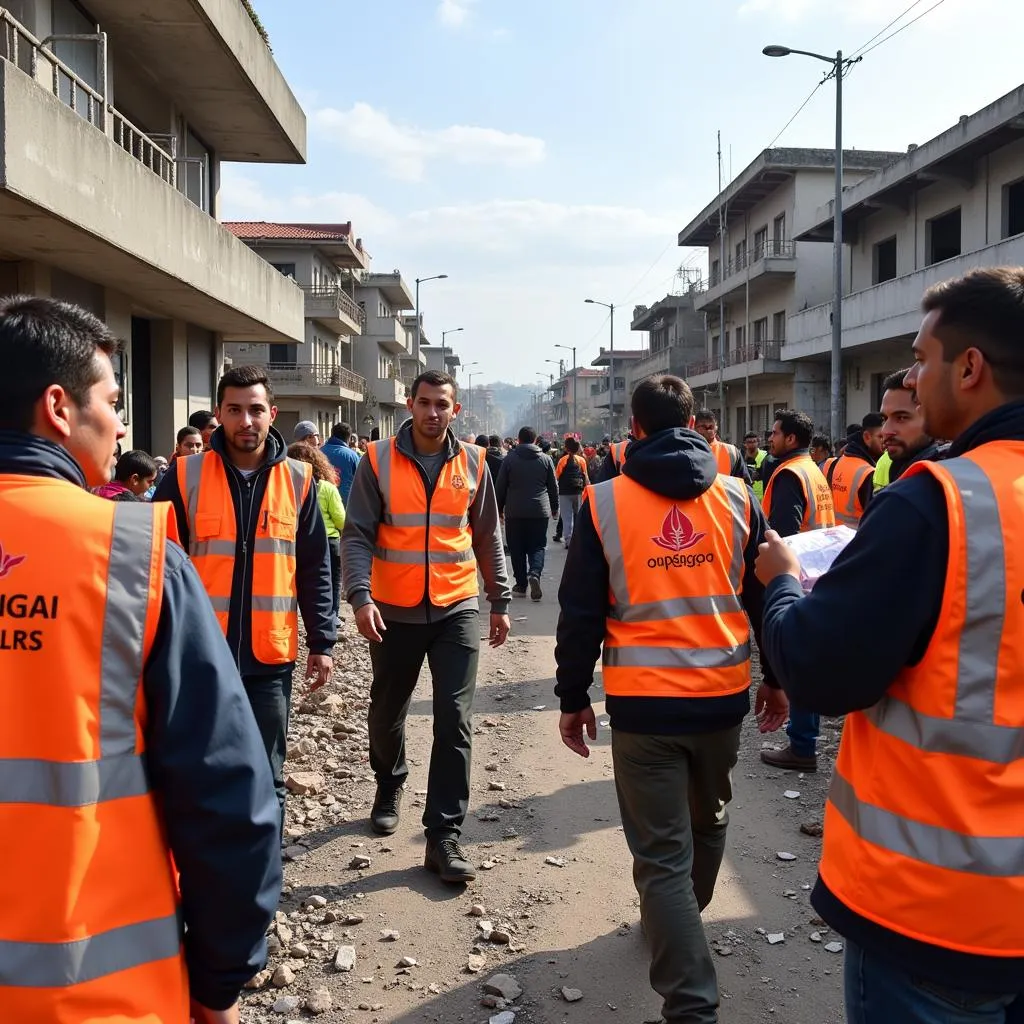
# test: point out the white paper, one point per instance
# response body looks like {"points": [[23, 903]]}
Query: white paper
{"points": [[817, 550]]}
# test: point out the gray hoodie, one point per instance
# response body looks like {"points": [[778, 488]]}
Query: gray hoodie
{"points": [[526, 486]]}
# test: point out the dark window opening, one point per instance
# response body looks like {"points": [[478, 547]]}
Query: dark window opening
{"points": [[283, 353], [288, 269], [942, 237], [885, 260], [1013, 209]]}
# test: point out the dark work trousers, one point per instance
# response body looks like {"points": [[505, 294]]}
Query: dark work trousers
{"points": [[270, 696], [527, 540], [451, 647], [334, 544], [672, 793]]}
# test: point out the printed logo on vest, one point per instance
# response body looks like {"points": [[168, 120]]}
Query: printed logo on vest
{"points": [[8, 562], [677, 532], [457, 482]]}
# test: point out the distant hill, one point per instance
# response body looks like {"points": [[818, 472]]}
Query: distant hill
{"points": [[508, 399]]}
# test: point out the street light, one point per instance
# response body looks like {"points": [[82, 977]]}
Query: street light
{"points": [[444, 334], [839, 65], [572, 348], [419, 281], [612, 418], [470, 392]]}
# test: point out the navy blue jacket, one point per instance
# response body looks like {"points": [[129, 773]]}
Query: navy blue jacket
{"points": [[345, 460], [678, 464], [885, 589], [312, 562], [206, 763]]}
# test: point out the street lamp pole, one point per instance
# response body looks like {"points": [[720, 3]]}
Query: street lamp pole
{"points": [[612, 417], [444, 334], [839, 65], [419, 281], [573, 350]]}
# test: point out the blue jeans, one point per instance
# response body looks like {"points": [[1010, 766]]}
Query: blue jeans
{"points": [[803, 731], [527, 539], [880, 992]]}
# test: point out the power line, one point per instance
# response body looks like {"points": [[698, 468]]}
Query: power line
{"points": [[891, 35], [796, 115], [884, 28]]}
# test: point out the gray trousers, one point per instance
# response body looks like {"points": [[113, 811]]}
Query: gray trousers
{"points": [[672, 794]]}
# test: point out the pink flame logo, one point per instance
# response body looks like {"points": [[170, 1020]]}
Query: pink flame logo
{"points": [[8, 562], [677, 532]]}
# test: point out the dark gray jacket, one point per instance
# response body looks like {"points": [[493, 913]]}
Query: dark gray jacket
{"points": [[526, 486], [362, 519]]}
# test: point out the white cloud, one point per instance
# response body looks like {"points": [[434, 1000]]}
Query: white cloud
{"points": [[405, 150], [453, 13]]}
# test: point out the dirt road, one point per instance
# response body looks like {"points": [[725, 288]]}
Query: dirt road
{"points": [[556, 888]]}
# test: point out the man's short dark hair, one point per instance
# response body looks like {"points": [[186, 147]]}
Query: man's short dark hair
{"points": [[853, 428], [342, 431], [983, 309], [494, 441], [133, 462], [751, 435], [572, 446], [799, 424], [706, 416], [482, 440], [662, 402], [821, 441], [435, 379], [245, 377], [45, 342], [872, 421], [202, 419], [527, 435], [895, 381], [188, 432]]}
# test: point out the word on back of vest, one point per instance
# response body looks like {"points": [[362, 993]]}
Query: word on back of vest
{"points": [[678, 536], [30, 609]]}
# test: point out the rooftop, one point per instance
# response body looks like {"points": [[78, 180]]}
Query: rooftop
{"points": [[334, 240], [645, 317], [771, 169], [621, 355]]}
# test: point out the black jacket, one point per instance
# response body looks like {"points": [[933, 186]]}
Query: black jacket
{"points": [[574, 477], [526, 485], [896, 564], [205, 760], [312, 558], [495, 457], [678, 464]]}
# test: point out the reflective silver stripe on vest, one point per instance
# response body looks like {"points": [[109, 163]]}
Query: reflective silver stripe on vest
{"points": [[417, 519], [274, 604], [813, 522], [656, 611], [59, 964], [221, 604], [422, 557], [972, 731], [676, 657], [71, 783], [475, 456], [193, 474], [199, 548], [124, 626], [602, 496], [736, 491], [384, 451], [994, 856], [848, 515], [298, 477]]}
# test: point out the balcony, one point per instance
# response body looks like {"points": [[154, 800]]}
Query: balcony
{"points": [[892, 309], [766, 260], [336, 310], [389, 391], [389, 333], [83, 189], [302, 380], [760, 359]]}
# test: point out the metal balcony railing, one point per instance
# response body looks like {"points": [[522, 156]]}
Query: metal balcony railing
{"points": [[343, 301], [771, 349], [303, 375], [771, 248], [21, 48]]}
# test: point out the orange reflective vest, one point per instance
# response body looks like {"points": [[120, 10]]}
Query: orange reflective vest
{"points": [[726, 456], [676, 626], [845, 477], [214, 547], [564, 461], [89, 929], [924, 832], [424, 543], [818, 512], [618, 453]]}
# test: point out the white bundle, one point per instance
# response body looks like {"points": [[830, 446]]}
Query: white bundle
{"points": [[817, 550]]}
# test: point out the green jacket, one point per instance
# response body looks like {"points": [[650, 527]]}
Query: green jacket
{"points": [[331, 507]]}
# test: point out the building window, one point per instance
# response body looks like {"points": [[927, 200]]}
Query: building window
{"points": [[779, 326], [288, 269], [715, 271], [760, 332], [714, 348], [942, 237], [741, 252], [884, 261], [620, 383], [282, 353], [1013, 209], [741, 336], [760, 242], [779, 230]]}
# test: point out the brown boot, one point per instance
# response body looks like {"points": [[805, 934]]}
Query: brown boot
{"points": [[788, 760]]}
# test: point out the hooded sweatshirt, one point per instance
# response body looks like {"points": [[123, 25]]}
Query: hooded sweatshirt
{"points": [[526, 485], [680, 465], [855, 450]]}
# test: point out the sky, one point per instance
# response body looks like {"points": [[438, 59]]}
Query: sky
{"points": [[542, 152]]}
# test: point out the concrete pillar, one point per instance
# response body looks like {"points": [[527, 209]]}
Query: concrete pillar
{"points": [[169, 380], [34, 279], [811, 392], [117, 314]]}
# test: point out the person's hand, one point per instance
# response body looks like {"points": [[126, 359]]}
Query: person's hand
{"points": [[318, 668], [571, 726], [500, 625], [771, 707], [370, 623], [775, 558], [204, 1015]]}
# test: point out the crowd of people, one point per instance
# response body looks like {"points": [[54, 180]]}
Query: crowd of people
{"points": [[180, 582]]}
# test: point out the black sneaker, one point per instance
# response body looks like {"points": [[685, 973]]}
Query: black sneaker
{"points": [[519, 591], [447, 859], [386, 812], [535, 592]]}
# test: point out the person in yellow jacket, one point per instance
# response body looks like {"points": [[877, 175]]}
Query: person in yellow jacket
{"points": [[922, 869], [141, 863]]}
